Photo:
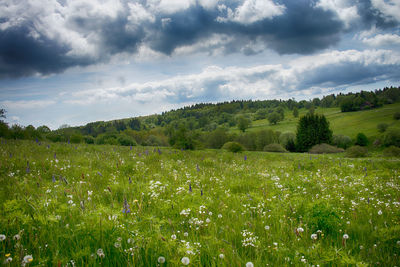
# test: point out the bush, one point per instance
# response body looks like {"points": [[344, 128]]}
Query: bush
{"points": [[356, 152], [233, 147], [396, 115], [325, 149], [275, 148], [361, 140], [342, 141], [392, 138], [88, 139], [320, 216], [125, 140], [285, 138], [76, 138], [392, 151], [265, 137], [382, 127]]}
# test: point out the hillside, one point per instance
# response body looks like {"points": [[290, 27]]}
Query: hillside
{"points": [[346, 123]]}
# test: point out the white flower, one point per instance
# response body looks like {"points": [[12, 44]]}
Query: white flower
{"points": [[345, 236], [185, 261], [8, 260], [186, 234], [2, 237], [398, 242], [17, 237], [117, 244], [300, 230], [27, 259], [219, 216], [208, 220], [173, 237], [161, 259], [314, 236], [266, 227], [379, 212], [249, 264], [100, 253], [221, 256]]}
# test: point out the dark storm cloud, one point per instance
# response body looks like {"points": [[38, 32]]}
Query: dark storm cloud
{"points": [[23, 55], [298, 27]]}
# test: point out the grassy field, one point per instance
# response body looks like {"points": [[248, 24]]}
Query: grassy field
{"points": [[348, 123], [86, 205]]}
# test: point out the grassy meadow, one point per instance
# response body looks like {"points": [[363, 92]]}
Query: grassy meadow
{"points": [[346, 123], [91, 205]]}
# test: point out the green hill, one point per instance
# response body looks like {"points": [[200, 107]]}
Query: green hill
{"points": [[346, 123]]}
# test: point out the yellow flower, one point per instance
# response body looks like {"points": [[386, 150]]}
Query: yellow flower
{"points": [[8, 255]]}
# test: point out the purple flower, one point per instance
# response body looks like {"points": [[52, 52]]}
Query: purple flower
{"points": [[245, 157], [126, 209]]}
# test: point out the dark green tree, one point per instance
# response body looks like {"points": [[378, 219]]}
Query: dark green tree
{"points": [[361, 140], [312, 129], [274, 118], [295, 112]]}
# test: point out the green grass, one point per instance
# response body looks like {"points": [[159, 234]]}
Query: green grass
{"points": [[346, 123], [68, 202]]}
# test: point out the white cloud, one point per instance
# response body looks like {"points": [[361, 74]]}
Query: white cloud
{"points": [[380, 40], [262, 82], [390, 8], [252, 11], [170, 6], [344, 9], [26, 104]]}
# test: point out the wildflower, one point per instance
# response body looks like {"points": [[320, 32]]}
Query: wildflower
{"points": [[161, 259], [249, 264], [345, 236], [2, 237], [185, 261], [379, 212], [173, 237], [186, 234], [27, 259], [208, 220], [221, 256], [100, 253], [126, 209], [300, 230], [17, 237], [117, 244], [7, 260], [398, 242], [314, 236], [219, 216], [266, 227]]}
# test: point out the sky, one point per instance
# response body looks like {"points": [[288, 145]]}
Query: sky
{"points": [[74, 62]]}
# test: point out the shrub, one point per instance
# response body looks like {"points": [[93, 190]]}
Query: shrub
{"points": [[233, 147], [88, 139], [356, 152], [274, 117], [265, 137], [361, 140], [392, 138], [76, 138], [125, 140], [320, 216], [285, 138], [275, 148], [392, 151], [382, 127], [325, 149], [396, 115], [342, 141]]}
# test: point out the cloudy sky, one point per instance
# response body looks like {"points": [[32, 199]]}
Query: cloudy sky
{"points": [[75, 62]]}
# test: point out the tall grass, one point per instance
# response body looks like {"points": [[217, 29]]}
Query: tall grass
{"points": [[70, 208]]}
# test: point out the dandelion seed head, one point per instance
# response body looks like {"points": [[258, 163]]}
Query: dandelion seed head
{"points": [[345, 236], [249, 264], [161, 259], [185, 261]]}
